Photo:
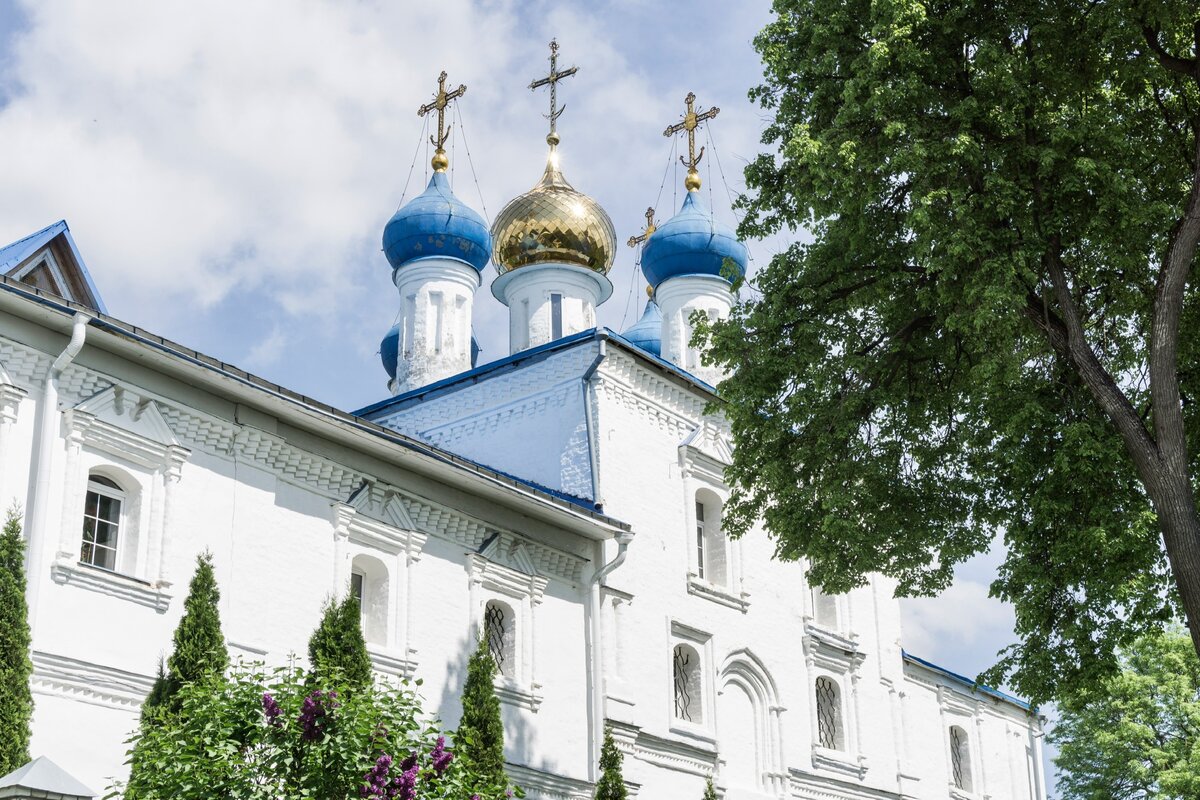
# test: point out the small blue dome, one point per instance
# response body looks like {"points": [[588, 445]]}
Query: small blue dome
{"points": [[389, 350], [474, 351], [691, 243], [436, 223], [646, 333]]}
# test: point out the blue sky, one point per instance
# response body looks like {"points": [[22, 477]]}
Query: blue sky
{"points": [[227, 170]]}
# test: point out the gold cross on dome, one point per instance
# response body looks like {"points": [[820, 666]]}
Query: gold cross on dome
{"points": [[644, 235], [552, 81], [691, 121], [440, 101]]}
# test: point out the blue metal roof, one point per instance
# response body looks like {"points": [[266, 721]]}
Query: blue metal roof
{"points": [[967, 682], [437, 224], [374, 410], [18, 251], [691, 243], [646, 333]]}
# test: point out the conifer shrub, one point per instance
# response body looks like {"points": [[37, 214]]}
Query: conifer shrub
{"points": [[611, 785], [337, 649], [480, 735], [199, 645], [16, 701]]}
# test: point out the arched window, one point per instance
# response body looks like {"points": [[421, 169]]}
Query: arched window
{"points": [[103, 519], [500, 628], [369, 584], [688, 684], [712, 563], [825, 609], [829, 714], [960, 759]]}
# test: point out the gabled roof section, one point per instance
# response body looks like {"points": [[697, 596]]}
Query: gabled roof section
{"points": [[42, 778], [50, 261]]}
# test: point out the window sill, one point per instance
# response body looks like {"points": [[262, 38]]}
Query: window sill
{"points": [[962, 794], [692, 731], [718, 594], [513, 693], [840, 762], [390, 662], [113, 584]]}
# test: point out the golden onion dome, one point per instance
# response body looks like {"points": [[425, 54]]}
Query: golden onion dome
{"points": [[553, 222]]}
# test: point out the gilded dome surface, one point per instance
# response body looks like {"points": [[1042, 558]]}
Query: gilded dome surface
{"points": [[552, 222]]}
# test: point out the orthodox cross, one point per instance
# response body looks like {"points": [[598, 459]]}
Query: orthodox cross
{"points": [[440, 101], [552, 80], [644, 235], [691, 121]]}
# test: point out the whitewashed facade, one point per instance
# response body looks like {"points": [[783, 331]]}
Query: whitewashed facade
{"points": [[705, 656]]}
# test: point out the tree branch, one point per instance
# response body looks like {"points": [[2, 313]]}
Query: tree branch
{"points": [[1173, 63]]}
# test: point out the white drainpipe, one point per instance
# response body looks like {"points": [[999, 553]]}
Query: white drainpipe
{"points": [[37, 535], [596, 648]]}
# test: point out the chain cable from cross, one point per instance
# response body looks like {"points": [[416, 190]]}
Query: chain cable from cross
{"points": [[691, 121], [552, 80], [440, 101]]}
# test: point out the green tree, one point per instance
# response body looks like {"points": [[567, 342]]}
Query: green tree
{"points": [[16, 701], [710, 792], [337, 647], [1135, 735], [982, 334], [199, 645], [611, 785], [480, 735], [158, 697], [261, 735]]}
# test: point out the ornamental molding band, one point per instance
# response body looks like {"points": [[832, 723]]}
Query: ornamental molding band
{"points": [[803, 785], [122, 587], [707, 450], [633, 373], [535, 406], [86, 682], [830, 650], [28, 367], [660, 751], [388, 662]]}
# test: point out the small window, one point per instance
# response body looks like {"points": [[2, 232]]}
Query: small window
{"points": [[500, 628], [101, 523], [369, 586], [686, 672], [829, 714], [825, 609], [439, 322], [711, 557], [960, 759], [556, 314]]}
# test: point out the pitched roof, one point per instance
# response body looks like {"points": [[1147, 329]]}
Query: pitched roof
{"points": [[44, 777]]}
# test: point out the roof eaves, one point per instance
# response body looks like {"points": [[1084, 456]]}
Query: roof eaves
{"points": [[965, 681]]}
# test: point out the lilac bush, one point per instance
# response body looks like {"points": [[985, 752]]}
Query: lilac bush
{"points": [[264, 734]]}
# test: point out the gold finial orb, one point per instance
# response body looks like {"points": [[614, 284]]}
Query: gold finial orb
{"points": [[650, 291], [439, 161], [552, 139], [692, 181]]}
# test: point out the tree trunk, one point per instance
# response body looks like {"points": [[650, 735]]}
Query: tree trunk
{"points": [[1175, 505]]}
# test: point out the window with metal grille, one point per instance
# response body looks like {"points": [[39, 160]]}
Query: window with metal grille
{"points": [[685, 667], [101, 523], [829, 714], [499, 626], [960, 759]]}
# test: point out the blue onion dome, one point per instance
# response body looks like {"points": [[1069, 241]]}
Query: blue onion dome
{"points": [[389, 350], [691, 243], [436, 223], [646, 333]]}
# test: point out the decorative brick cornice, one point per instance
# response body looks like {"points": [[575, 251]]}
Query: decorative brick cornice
{"points": [[88, 682]]}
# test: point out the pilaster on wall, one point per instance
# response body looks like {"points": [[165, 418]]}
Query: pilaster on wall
{"points": [[11, 396]]}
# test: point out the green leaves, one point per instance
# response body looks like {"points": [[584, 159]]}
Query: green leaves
{"points": [[1137, 733], [894, 395], [611, 785], [16, 701], [337, 647], [480, 735]]}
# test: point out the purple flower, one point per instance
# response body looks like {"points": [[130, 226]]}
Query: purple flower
{"points": [[440, 758], [313, 712], [409, 762], [272, 710], [406, 784]]}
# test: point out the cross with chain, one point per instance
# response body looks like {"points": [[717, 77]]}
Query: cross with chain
{"points": [[552, 80], [691, 121], [440, 101], [644, 235]]}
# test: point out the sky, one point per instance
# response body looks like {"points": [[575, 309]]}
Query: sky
{"points": [[227, 169]]}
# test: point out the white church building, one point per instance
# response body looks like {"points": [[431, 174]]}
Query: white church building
{"points": [[564, 501]]}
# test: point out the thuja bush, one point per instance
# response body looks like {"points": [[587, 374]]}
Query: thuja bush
{"points": [[258, 734]]}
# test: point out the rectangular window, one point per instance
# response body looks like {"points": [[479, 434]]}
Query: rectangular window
{"points": [[356, 587], [410, 325], [435, 299], [101, 520], [700, 539], [556, 326], [523, 331]]}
